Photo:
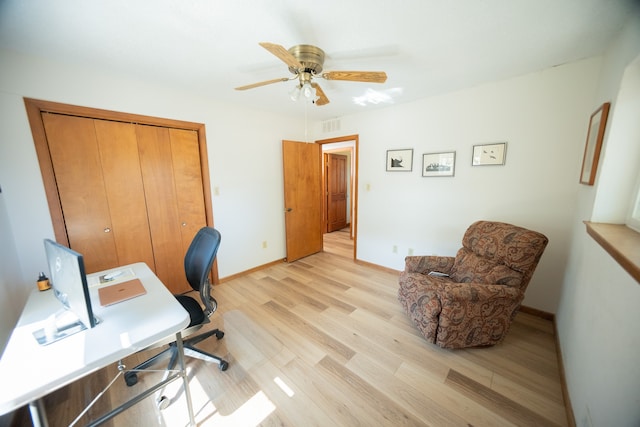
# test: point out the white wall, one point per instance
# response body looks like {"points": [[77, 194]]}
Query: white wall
{"points": [[9, 276], [543, 118], [598, 314]]}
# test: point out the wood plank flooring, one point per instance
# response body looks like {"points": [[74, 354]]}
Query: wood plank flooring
{"points": [[339, 243], [324, 342]]}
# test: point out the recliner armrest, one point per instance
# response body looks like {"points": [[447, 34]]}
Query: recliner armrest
{"points": [[426, 264], [475, 314], [477, 292]]}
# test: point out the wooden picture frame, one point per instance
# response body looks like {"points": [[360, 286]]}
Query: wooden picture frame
{"points": [[493, 154], [595, 136], [439, 164], [400, 160]]}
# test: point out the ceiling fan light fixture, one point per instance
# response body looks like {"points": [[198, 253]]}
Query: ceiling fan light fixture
{"points": [[308, 91], [295, 93], [304, 90]]}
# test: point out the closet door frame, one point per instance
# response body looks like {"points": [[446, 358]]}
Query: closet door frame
{"points": [[35, 108]]}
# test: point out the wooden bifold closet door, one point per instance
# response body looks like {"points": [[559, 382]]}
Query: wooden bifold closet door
{"points": [[128, 192], [100, 187], [170, 164]]}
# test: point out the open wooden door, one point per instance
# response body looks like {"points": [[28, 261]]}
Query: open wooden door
{"points": [[336, 184], [302, 198]]}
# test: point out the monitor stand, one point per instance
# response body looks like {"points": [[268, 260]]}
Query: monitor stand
{"points": [[59, 325]]}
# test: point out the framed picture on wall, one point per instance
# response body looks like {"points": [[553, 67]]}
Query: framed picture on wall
{"points": [[489, 154], [592, 147], [400, 160], [439, 164]]}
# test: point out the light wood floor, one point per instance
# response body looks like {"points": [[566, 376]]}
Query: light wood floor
{"points": [[324, 342], [339, 243]]}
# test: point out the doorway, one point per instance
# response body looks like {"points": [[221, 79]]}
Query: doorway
{"points": [[342, 241], [337, 183]]}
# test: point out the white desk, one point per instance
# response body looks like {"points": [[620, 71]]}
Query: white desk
{"points": [[29, 371]]}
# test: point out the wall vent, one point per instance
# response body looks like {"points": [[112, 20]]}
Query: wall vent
{"points": [[332, 125]]}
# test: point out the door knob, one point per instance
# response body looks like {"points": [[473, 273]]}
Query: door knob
{"points": [[288, 210], [107, 230]]}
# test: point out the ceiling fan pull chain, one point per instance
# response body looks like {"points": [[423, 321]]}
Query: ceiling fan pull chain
{"points": [[306, 137]]}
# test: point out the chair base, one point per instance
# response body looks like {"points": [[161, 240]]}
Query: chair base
{"points": [[131, 376]]}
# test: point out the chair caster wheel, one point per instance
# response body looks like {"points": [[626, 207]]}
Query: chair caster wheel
{"points": [[219, 334], [131, 378], [223, 365], [163, 402]]}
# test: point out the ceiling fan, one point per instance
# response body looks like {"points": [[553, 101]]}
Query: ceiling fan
{"points": [[305, 62]]}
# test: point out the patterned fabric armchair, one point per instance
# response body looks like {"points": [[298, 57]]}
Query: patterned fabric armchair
{"points": [[474, 304]]}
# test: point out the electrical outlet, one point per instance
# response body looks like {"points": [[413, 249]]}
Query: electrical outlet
{"points": [[410, 251], [395, 249], [264, 245], [216, 191]]}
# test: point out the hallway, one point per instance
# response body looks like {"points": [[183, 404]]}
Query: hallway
{"points": [[339, 243]]}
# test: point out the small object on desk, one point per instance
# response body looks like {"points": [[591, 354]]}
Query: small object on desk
{"points": [[111, 276], [43, 282], [120, 292]]}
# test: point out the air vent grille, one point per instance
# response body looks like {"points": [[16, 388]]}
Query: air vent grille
{"points": [[332, 125]]}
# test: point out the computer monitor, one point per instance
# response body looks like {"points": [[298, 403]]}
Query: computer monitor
{"points": [[69, 283]]}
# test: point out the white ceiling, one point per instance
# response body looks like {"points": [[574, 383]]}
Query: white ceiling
{"points": [[427, 47]]}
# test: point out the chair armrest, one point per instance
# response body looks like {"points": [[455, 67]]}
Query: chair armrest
{"points": [[477, 292], [491, 299], [426, 264], [475, 314]]}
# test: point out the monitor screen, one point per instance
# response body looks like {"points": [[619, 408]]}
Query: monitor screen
{"points": [[69, 281]]}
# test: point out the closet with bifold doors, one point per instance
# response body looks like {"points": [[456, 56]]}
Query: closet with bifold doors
{"points": [[123, 188]]}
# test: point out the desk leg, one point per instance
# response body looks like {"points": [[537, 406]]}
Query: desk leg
{"points": [[38, 414], [185, 380]]}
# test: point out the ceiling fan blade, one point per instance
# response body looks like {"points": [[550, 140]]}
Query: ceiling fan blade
{"points": [[322, 98], [357, 76], [282, 53], [267, 82]]}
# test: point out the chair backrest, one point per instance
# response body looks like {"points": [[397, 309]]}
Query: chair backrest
{"points": [[496, 252], [199, 259]]}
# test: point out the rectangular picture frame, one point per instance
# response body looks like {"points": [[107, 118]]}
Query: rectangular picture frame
{"points": [[493, 154], [400, 160], [439, 164], [593, 146]]}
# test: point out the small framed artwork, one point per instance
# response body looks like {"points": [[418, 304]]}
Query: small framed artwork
{"points": [[489, 154], [593, 145], [439, 164], [400, 160]]}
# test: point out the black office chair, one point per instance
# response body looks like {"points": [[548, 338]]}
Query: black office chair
{"points": [[197, 265]]}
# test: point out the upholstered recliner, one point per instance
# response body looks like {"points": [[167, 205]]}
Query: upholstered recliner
{"points": [[475, 303]]}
